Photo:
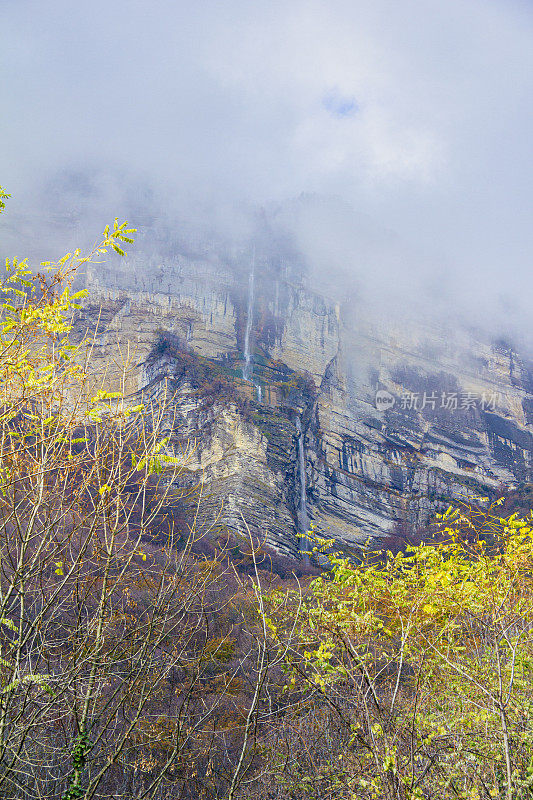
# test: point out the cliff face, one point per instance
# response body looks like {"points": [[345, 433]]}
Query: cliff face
{"points": [[343, 422]]}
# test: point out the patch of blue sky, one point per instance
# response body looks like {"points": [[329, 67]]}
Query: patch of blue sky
{"points": [[339, 105]]}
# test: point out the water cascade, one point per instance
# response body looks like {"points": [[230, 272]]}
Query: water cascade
{"points": [[303, 518], [247, 372], [249, 322]]}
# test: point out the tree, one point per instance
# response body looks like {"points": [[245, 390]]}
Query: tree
{"points": [[105, 611], [417, 670]]}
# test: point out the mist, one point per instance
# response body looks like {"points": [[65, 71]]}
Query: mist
{"points": [[386, 144]]}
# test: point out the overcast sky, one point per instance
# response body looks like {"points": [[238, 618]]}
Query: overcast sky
{"points": [[413, 117]]}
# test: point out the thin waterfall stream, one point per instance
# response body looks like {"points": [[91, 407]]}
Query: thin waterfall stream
{"points": [[249, 322], [248, 369], [303, 517]]}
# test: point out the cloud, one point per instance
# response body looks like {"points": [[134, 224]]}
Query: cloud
{"points": [[414, 115]]}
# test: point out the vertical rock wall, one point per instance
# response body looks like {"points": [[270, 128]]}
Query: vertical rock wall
{"points": [[456, 420]]}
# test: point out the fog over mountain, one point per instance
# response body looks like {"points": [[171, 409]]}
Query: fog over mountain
{"points": [[386, 145]]}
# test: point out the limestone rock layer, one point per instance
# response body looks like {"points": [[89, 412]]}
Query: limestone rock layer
{"points": [[396, 420]]}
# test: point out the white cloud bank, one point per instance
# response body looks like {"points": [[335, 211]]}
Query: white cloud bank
{"points": [[417, 115]]}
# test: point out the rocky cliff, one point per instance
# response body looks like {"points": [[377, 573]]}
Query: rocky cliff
{"points": [[302, 409]]}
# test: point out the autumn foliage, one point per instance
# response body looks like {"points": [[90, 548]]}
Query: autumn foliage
{"points": [[420, 665]]}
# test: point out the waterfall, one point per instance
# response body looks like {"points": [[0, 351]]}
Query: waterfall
{"points": [[303, 519], [249, 322], [248, 361]]}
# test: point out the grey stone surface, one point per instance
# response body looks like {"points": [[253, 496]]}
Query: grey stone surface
{"points": [[366, 470]]}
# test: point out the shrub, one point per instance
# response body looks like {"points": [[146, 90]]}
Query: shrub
{"points": [[423, 661]]}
